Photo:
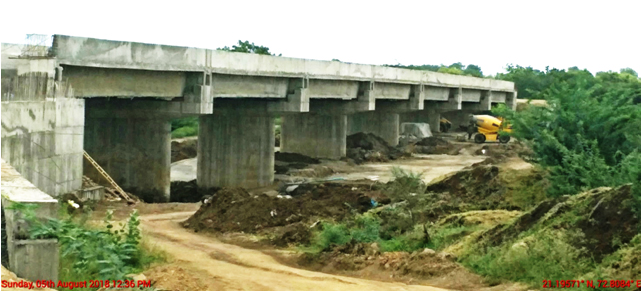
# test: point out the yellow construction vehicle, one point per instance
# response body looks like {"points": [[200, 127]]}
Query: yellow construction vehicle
{"points": [[488, 128]]}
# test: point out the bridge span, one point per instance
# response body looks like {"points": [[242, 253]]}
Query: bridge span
{"points": [[131, 91]]}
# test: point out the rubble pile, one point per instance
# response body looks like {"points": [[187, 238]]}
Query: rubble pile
{"points": [[367, 147]]}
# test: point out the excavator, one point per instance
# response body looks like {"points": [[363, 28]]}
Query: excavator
{"points": [[488, 128]]}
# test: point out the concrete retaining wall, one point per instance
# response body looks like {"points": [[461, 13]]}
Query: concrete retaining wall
{"points": [[29, 259]]}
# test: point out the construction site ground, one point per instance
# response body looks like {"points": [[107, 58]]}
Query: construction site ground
{"points": [[243, 261]]}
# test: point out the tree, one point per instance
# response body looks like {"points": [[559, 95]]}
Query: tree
{"points": [[629, 71], [589, 135], [455, 68], [247, 47], [473, 70]]}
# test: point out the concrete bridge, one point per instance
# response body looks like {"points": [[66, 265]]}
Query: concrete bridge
{"points": [[132, 90]]}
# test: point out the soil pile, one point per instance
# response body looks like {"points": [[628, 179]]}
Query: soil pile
{"points": [[236, 210], [599, 215], [285, 162], [433, 141], [184, 148], [188, 192], [362, 147], [498, 153], [436, 145], [475, 188]]}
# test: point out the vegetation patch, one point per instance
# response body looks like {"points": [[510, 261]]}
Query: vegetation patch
{"points": [[88, 253]]}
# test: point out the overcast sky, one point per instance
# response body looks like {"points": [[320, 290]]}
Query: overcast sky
{"points": [[596, 35]]}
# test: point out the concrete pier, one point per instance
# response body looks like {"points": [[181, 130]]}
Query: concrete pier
{"points": [[315, 135], [382, 124], [430, 117], [235, 149], [135, 152]]}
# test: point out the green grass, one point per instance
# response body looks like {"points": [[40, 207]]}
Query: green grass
{"points": [[184, 127]]}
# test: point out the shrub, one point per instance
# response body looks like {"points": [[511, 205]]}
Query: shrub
{"points": [[331, 234], [365, 229], [588, 136], [185, 132], [108, 253]]}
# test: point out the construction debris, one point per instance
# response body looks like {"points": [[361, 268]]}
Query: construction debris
{"points": [[111, 194], [284, 162]]}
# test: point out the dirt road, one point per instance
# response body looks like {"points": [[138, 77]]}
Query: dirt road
{"points": [[220, 266]]}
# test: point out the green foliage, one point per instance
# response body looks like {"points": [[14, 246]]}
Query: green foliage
{"points": [[184, 127], [331, 234], [247, 47], [365, 229], [109, 253], [185, 132], [455, 68], [588, 136], [407, 185], [534, 84]]}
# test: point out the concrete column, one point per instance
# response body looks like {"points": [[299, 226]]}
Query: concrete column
{"points": [[431, 117], [135, 152], [315, 135], [235, 149], [382, 124], [433, 121]]}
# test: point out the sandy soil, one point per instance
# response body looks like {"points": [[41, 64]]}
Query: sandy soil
{"points": [[221, 266], [183, 170], [431, 165]]}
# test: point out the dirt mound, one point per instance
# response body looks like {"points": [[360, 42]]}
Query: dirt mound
{"points": [[184, 148], [296, 233], [188, 192], [363, 147], [285, 162], [486, 218], [500, 152], [235, 210], [295, 158], [433, 141], [598, 214], [476, 188]]}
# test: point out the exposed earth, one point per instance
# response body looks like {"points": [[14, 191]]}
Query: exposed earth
{"points": [[472, 195]]}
